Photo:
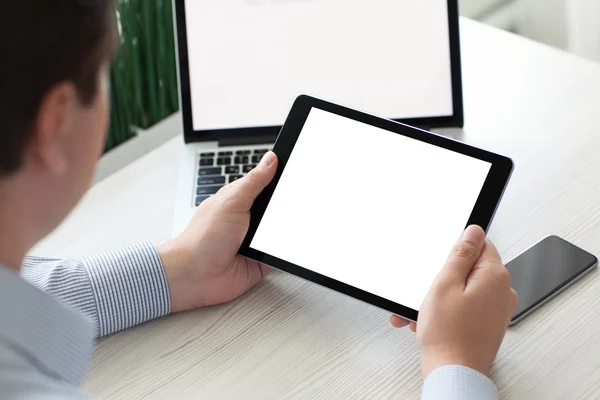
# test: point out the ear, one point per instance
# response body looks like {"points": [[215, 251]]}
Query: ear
{"points": [[51, 127]]}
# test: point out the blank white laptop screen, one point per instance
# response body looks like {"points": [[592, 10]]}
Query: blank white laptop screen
{"points": [[250, 59], [370, 208]]}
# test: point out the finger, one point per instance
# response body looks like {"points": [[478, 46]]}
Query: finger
{"points": [[413, 327], [464, 255], [266, 270], [514, 298], [489, 257], [249, 272], [243, 192], [490, 252], [262, 268], [488, 268], [398, 322]]}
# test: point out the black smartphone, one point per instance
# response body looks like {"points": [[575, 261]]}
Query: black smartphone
{"points": [[545, 270]]}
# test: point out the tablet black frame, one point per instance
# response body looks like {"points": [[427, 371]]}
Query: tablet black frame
{"points": [[482, 214], [456, 120]]}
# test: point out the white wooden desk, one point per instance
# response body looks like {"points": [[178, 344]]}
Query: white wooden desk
{"points": [[288, 339]]}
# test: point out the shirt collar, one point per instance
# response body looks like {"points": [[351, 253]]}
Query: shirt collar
{"points": [[56, 338]]}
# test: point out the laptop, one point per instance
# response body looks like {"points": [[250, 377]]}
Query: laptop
{"points": [[242, 63]]}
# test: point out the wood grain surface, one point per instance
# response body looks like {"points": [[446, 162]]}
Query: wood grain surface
{"points": [[289, 339]]}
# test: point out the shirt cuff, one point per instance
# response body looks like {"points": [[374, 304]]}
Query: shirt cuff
{"points": [[454, 382], [129, 287]]}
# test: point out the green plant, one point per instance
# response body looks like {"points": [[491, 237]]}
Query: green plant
{"points": [[143, 75]]}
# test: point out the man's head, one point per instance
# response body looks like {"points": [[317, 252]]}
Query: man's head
{"points": [[54, 58]]}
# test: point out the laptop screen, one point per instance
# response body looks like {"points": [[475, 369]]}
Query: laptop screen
{"points": [[250, 59]]}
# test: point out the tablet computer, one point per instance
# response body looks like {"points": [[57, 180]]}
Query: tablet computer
{"points": [[367, 206]]}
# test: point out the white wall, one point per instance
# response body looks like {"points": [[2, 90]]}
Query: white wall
{"points": [[476, 8], [583, 27], [572, 25], [541, 20], [544, 21]]}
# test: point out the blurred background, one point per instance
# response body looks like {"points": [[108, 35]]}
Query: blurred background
{"points": [[571, 25], [144, 81]]}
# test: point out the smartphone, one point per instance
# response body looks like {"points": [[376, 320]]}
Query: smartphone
{"points": [[545, 270]]}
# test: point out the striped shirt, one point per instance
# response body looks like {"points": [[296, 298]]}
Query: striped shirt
{"points": [[45, 346], [47, 326]]}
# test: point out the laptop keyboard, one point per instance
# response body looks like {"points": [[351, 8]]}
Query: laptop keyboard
{"points": [[218, 168]]}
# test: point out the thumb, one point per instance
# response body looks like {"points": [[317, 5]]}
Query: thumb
{"points": [[464, 255], [244, 191]]}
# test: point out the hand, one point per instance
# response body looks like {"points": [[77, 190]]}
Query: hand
{"points": [[467, 310], [202, 265], [399, 322]]}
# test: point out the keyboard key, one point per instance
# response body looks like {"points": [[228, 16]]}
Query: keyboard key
{"points": [[242, 152], [210, 171], [206, 162], [225, 153], [248, 168], [233, 178], [210, 180], [256, 159], [205, 155], [208, 189], [260, 151], [200, 199], [235, 169], [241, 160], [224, 161]]}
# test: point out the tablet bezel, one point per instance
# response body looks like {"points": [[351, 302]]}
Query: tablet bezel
{"points": [[482, 214]]}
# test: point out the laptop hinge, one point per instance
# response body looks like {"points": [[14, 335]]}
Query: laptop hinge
{"points": [[247, 140]]}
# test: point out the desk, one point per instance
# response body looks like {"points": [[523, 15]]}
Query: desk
{"points": [[288, 339]]}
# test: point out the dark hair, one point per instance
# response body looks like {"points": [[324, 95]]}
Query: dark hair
{"points": [[43, 43]]}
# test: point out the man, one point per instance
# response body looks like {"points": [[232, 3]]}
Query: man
{"points": [[53, 118]]}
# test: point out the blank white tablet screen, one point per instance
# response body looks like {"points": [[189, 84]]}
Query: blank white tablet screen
{"points": [[250, 59], [370, 208]]}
